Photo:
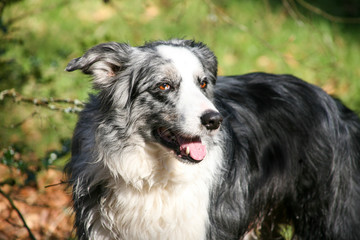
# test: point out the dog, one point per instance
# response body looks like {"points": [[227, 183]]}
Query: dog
{"points": [[166, 149]]}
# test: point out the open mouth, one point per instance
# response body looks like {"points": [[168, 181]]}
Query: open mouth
{"points": [[186, 148]]}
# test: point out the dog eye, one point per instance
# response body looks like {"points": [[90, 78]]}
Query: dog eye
{"points": [[164, 87], [203, 84]]}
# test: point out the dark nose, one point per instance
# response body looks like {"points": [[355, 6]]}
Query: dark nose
{"points": [[211, 120]]}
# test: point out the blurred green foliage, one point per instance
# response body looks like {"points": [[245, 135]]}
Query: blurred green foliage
{"points": [[38, 38]]}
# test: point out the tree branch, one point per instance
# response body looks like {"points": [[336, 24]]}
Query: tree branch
{"points": [[57, 184], [326, 15], [31, 235], [44, 102]]}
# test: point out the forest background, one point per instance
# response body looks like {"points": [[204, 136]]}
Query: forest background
{"points": [[318, 41]]}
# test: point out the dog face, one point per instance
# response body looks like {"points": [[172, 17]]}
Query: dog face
{"points": [[162, 91]]}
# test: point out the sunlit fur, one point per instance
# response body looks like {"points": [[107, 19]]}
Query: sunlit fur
{"points": [[283, 144], [126, 185]]}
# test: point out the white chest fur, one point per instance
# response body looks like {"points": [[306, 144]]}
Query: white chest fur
{"points": [[168, 199], [175, 213]]}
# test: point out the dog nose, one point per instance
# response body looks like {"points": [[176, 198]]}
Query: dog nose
{"points": [[211, 120]]}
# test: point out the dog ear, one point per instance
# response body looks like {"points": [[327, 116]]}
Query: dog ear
{"points": [[206, 56], [104, 62]]}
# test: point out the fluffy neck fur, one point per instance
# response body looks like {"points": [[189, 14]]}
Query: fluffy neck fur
{"points": [[152, 195]]}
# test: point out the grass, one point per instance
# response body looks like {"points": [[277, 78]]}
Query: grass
{"points": [[256, 38], [43, 36]]}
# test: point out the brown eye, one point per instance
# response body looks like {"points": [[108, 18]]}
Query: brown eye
{"points": [[164, 87], [203, 84]]}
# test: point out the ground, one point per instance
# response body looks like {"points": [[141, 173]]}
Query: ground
{"points": [[46, 210]]}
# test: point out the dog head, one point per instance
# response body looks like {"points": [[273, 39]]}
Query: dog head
{"points": [[161, 91]]}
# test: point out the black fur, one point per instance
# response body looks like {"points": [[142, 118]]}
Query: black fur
{"points": [[289, 145]]}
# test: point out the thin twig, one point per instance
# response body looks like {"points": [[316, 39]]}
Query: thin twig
{"points": [[291, 8], [326, 15], [44, 102], [31, 235], [57, 184]]}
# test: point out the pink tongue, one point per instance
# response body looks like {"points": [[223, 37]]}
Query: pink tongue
{"points": [[197, 151]]}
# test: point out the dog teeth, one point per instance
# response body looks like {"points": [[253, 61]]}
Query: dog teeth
{"points": [[187, 150]]}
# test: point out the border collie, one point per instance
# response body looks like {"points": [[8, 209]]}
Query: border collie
{"points": [[165, 149]]}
